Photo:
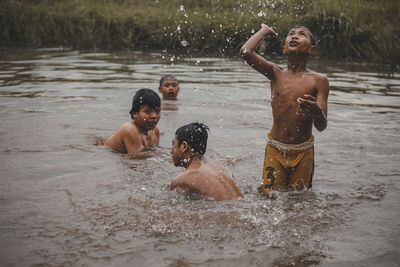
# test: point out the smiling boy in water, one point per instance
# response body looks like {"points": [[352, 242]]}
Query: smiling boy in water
{"points": [[169, 87], [141, 132], [201, 176], [299, 101]]}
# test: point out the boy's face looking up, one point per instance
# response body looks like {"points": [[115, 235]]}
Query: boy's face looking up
{"points": [[169, 88], [147, 118], [298, 41]]}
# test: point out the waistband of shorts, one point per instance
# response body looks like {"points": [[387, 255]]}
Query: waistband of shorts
{"points": [[282, 146]]}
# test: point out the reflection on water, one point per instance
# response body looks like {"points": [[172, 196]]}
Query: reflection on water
{"points": [[67, 200]]}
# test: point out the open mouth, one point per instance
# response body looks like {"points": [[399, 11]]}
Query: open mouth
{"points": [[171, 94], [152, 124], [293, 43]]}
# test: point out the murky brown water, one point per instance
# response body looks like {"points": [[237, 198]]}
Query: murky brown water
{"points": [[65, 201]]}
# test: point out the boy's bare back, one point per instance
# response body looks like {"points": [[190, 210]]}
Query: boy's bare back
{"points": [[201, 176], [208, 178]]}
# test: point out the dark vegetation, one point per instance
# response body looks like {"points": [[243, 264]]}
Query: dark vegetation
{"points": [[364, 30]]}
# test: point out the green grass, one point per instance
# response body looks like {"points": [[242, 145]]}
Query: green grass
{"points": [[366, 30]]}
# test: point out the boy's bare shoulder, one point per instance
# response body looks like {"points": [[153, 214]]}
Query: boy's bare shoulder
{"points": [[186, 179], [322, 82], [320, 79], [129, 131], [129, 127], [191, 174], [318, 76]]}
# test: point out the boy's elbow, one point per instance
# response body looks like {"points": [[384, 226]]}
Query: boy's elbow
{"points": [[244, 51], [321, 127], [173, 185]]}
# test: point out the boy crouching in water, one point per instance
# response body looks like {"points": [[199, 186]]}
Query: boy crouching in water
{"points": [[141, 132], [201, 176], [299, 101]]}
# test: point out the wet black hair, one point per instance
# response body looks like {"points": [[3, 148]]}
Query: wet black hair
{"points": [[312, 38], [195, 134], [167, 76], [144, 97]]}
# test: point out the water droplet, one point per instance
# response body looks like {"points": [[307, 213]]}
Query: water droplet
{"points": [[184, 43], [181, 7]]}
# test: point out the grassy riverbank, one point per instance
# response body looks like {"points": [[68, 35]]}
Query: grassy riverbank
{"points": [[365, 30]]}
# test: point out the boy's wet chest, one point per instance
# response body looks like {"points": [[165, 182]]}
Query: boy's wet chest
{"points": [[294, 87]]}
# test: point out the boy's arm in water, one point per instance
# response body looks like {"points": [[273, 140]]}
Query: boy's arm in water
{"points": [[248, 52], [317, 107]]}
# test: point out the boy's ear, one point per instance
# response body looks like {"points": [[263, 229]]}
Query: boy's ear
{"points": [[311, 50], [184, 146], [134, 115], [284, 49]]}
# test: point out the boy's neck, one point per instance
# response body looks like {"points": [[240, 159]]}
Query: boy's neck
{"points": [[297, 63], [194, 161]]}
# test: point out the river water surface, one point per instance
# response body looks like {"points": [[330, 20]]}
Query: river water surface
{"points": [[64, 201]]}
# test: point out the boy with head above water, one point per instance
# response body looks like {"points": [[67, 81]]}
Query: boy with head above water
{"points": [[299, 101], [201, 176], [141, 132], [169, 87]]}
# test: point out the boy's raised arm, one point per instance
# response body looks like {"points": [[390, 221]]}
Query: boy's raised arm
{"points": [[248, 52]]}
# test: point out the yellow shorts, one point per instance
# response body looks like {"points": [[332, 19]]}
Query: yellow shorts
{"points": [[288, 166]]}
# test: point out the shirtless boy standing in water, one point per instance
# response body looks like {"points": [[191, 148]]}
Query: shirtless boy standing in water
{"points": [[201, 176], [141, 132], [299, 101]]}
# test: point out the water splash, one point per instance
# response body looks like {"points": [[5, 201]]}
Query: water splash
{"points": [[184, 43]]}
